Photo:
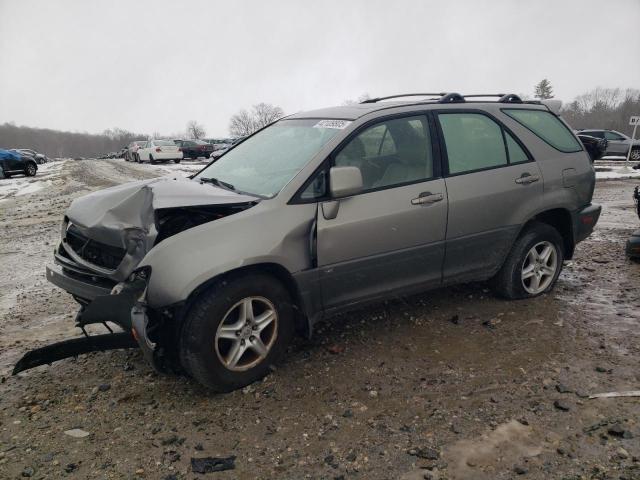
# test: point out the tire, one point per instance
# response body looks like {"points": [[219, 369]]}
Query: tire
{"points": [[635, 154], [208, 357], [30, 170], [510, 283], [177, 160]]}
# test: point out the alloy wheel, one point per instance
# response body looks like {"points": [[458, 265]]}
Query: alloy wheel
{"points": [[539, 267], [247, 333], [635, 154]]}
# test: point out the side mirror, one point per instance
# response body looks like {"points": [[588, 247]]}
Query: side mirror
{"points": [[345, 181]]}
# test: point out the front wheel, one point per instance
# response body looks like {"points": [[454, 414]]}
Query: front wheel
{"points": [[236, 331], [30, 170], [533, 265], [635, 154]]}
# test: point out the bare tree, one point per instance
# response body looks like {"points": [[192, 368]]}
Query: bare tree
{"points": [[241, 124], [603, 108], [195, 130], [265, 113], [245, 123]]}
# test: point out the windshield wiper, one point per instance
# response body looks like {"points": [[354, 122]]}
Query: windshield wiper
{"points": [[217, 183]]}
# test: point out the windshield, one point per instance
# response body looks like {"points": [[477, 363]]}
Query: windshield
{"points": [[267, 161]]}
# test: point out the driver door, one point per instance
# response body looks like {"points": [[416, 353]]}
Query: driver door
{"points": [[390, 236]]}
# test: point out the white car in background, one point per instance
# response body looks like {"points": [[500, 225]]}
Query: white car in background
{"points": [[159, 151]]}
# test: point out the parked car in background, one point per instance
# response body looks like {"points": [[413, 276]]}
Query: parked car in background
{"points": [[219, 149], [617, 143], [159, 151], [38, 157], [13, 162], [595, 147], [194, 148], [132, 150]]}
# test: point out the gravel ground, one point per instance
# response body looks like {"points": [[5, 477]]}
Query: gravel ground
{"points": [[451, 384]]}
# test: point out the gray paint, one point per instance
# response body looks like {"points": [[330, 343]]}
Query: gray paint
{"points": [[354, 249]]}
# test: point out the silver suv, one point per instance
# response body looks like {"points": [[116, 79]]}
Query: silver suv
{"points": [[320, 212], [617, 143]]}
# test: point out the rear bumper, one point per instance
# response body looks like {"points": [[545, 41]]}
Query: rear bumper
{"points": [[585, 221]]}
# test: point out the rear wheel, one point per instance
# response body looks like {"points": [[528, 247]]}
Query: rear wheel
{"points": [[635, 154], [177, 160], [533, 265], [236, 331]]}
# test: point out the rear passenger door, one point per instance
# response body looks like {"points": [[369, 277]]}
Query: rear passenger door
{"points": [[493, 185]]}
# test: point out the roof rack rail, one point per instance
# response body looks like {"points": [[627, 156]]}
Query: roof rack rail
{"points": [[378, 99], [453, 97]]}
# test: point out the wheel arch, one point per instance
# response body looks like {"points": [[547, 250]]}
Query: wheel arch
{"points": [[275, 270], [561, 220]]}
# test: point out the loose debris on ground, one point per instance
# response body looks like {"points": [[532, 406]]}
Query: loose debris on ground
{"points": [[450, 384]]}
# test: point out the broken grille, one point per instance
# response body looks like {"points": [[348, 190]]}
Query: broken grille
{"points": [[94, 252]]}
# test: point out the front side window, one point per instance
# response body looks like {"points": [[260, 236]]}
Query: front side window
{"points": [[393, 152], [473, 142], [265, 162], [546, 126]]}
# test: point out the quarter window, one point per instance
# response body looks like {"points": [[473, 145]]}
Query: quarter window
{"points": [[473, 142], [393, 152], [546, 126], [516, 153]]}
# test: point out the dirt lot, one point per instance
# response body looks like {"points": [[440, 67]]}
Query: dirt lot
{"points": [[450, 384]]}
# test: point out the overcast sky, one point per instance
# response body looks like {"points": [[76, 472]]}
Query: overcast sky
{"points": [[150, 66]]}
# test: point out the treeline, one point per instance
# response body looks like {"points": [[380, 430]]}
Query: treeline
{"points": [[608, 108], [55, 143]]}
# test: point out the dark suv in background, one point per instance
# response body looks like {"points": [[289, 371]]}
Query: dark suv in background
{"points": [[194, 148], [617, 143]]}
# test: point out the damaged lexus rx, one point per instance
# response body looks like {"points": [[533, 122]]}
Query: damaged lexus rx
{"points": [[318, 213]]}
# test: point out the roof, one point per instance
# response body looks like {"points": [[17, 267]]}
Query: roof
{"points": [[357, 110]]}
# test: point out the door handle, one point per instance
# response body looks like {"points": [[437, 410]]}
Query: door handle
{"points": [[526, 178], [427, 197]]}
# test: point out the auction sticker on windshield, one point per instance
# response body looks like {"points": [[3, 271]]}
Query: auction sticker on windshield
{"points": [[338, 124]]}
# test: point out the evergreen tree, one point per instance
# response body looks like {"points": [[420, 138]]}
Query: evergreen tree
{"points": [[544, 89]]}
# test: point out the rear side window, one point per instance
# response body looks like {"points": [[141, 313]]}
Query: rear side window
{"points": [[473, 142], [546, 126]]}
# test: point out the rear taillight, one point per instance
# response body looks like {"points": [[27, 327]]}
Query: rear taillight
{"points": [[158, 149], [179, 149]]}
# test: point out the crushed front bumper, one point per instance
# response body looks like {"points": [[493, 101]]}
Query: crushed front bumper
{"points": [[74, 285], [122, 305]]}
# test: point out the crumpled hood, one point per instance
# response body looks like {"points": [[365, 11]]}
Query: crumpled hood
{"points": [[112, 214]]}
